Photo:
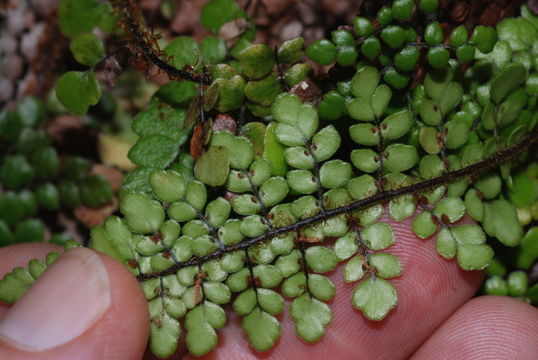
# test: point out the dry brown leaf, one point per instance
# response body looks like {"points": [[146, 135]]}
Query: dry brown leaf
{"points": [[197, 141], [113, 150], [224, 122], [112, 70], [307, 90], [63, 123], [275, 7], [111, 174], [95, 216]]}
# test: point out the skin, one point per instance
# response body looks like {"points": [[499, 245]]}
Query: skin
{"points": [[435, 318]]}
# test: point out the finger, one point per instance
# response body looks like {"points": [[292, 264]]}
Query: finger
{"points": [[429, 289], [488, 327], [18, 255], [85, 306]]}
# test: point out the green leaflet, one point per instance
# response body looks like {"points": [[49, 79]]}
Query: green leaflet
{"points": [[77, 17], [87, 49], [322, 51], [78, 90], [262, 329], [94, 191], [167, 185], [157, 151], [263, 91], [424, 225], [114, 239], [507, 81], [174, 92], [164, 332], [321, 287], [273, 151], [297, 122], [474, 256], [142, 214], [386, 265], [217, 12], [183, 50], [256, 61], [291, 51], [15, 284], [500, 220], [375, 297], [311, 316], [345, 246], [529, 250], [213, 167], [161, 119], [378, 236], [200, 324], [354, 270], [240, 149], [453, 208], [519, 33], [320, 259]]}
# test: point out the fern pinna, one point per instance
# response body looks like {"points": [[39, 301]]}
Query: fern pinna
{"points": [[255, 178]]}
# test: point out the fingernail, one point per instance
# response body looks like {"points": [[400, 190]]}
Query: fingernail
{"points": [[71, 296]]}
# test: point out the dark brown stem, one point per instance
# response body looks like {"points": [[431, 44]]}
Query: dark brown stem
{"points": [[448, 177], [145, 49]]}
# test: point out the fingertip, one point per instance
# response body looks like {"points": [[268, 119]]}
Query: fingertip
{"points": [[19, 254], [486, 327], [13, 256], [430, 289], [85, 306], [128, 316]]}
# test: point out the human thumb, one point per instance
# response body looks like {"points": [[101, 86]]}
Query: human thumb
{"points": [[85, 306]]}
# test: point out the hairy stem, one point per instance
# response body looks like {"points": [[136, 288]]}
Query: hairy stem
{"points": [[144, 47]]}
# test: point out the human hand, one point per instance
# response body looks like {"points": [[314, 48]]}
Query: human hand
{"points": [[87, 306]]}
